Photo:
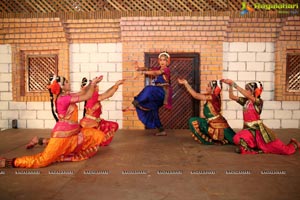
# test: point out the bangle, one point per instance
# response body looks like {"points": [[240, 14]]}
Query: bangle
{"points": [[234, 85], [9, 163], [41, 141], [187, 85]]}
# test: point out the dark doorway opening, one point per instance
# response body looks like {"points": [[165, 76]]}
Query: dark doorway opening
{"points": [[183, 65]]}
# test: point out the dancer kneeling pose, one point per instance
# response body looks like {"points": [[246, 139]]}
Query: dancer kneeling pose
{"points": [[213, 129], [93, 110], [256, 137], [67, 142]]}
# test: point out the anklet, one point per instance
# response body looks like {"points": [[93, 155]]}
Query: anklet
{"points": [[41, 141]]}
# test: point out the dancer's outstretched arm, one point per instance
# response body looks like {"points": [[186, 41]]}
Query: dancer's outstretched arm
{"points": [[194, 94], [111, 91], [241, 90]]}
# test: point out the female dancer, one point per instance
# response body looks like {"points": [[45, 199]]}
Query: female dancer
{"points": [[256, 137], [91, 116], [152, 97], [93, 110], [67, 142], [213, 129]]}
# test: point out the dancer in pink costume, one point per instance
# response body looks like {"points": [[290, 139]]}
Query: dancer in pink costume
{"points": [[256, 137]]}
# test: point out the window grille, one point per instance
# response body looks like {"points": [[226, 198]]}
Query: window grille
{"points": [[38, 71], [293, 73], [184, 106]]}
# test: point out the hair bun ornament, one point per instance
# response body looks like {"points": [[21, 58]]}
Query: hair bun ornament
{"points": [[217, 91], [219, 83], [165, 53], [84, 82], [52, 78], [54, 86], [216, 86], [258, 89]]}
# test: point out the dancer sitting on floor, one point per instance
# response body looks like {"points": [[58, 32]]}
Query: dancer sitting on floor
{"points": [[152, 97], [213, 129], [91, 117], [67, 142], [93, 110], [256, 137]]}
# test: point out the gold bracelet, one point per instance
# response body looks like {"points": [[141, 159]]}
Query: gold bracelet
{"points": [[187, 85], [234, 85]]}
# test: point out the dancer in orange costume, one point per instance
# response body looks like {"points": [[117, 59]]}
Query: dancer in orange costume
{"points": [[93, 110], [67, 142], [91, 118]]}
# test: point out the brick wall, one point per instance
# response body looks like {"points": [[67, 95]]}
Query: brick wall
{"points": [[87, 60], [248, 61], [243, 49], [93, 30], [28, 114], [91, 60], [203, 35], [253, 29], [288, 42]]}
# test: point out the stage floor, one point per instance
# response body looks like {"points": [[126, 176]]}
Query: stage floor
{"points": [[140, 166]]}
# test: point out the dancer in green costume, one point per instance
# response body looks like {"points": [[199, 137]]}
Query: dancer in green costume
{"points": [[213, 129]]}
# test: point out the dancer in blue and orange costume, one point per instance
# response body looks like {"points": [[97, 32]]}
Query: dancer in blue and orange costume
{"points": [[256, 137], [67, 142], [214, 128], [93, 110], [154, 96]]}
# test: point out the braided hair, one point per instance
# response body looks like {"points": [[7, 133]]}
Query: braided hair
{"points": [[52, 88], [256, 88], [216, 86], [84, 82], [55, 89]]}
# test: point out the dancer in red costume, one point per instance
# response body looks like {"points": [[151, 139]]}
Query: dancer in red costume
{"points": [[93, 110], [256, 137]]}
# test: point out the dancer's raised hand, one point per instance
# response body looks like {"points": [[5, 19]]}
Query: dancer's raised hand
{"points": [[182, 81], [227, 81], [97, 79], [120, 82]]}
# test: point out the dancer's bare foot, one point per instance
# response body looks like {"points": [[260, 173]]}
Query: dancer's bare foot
{"points": [[128, 109], [2, 162], [162, 133], [34, 141]]}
